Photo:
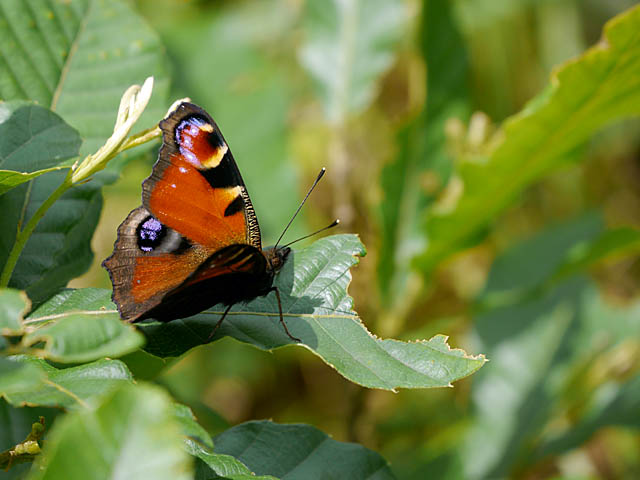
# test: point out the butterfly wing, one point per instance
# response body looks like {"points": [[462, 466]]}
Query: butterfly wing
{"points": [[194, 204], [195, 187], [232, 274]]}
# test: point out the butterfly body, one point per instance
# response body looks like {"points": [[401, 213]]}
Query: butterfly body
{"points": [[195, 242]]}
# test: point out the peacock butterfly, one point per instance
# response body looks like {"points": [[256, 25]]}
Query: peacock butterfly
{"points": [[195, 241]]}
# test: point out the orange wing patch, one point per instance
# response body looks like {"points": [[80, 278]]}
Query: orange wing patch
{"points": [[184, 200], [154, 274]]}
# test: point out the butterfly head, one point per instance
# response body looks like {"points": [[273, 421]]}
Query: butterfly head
{"points": [[276, 256]]}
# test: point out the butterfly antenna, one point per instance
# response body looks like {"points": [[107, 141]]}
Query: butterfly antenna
{"points": [[333, 224], [301, 204]]}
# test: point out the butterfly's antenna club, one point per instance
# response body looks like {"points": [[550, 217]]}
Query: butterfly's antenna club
{"points": [[333, 224], [301, 204]]}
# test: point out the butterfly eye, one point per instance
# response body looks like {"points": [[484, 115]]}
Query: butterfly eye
{"points": [[150, 234]]}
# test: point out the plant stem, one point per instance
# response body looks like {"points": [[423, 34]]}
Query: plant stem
{"points": [[25, 233]]}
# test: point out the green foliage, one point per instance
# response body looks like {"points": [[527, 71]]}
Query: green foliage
{"points": [[348, 45], [594, 90], [70, 388], [77, 58], [33, 141], [299, 451], [132, 434], [382, 92]]}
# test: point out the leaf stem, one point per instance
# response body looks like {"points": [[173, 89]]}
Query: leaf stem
{"points": [[25, 233]]}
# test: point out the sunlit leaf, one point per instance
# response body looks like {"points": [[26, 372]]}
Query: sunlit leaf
{"points": [[79, 337], [131, 435], [18, 376], [77, 58], [75, 326], [71, 388], [348, 45], [13, 305], [299, 451], [594, 90]]}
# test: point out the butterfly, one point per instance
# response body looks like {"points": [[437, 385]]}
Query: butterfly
{"points": [[195, 240]]}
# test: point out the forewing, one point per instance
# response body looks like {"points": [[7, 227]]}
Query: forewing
{"points": [[195, 187]]}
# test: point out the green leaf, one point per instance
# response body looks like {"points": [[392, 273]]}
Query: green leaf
{"points": [[523, 341], [423, 158], [9, 179], [71, 388], [586, 94], [59, 248], [348, 46], [18, 377], [299, 452], [13, 305], [76, 327], [131, 435], [318, 310], [199, 444], [613, 404], [534, 261], [537, 347], [610, 245], [33, 141], [77, 337], [78, 58]]}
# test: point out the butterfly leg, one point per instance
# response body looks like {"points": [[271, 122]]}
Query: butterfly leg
{"points": [[275, 289], [215, 329]]}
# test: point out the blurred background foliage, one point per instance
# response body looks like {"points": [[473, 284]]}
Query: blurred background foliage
{"points": [[403, 102]]}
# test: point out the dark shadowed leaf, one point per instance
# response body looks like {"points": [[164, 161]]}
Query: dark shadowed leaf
{"points": [[59, 248], [33, 141], [299, 452], [199, 444]]}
